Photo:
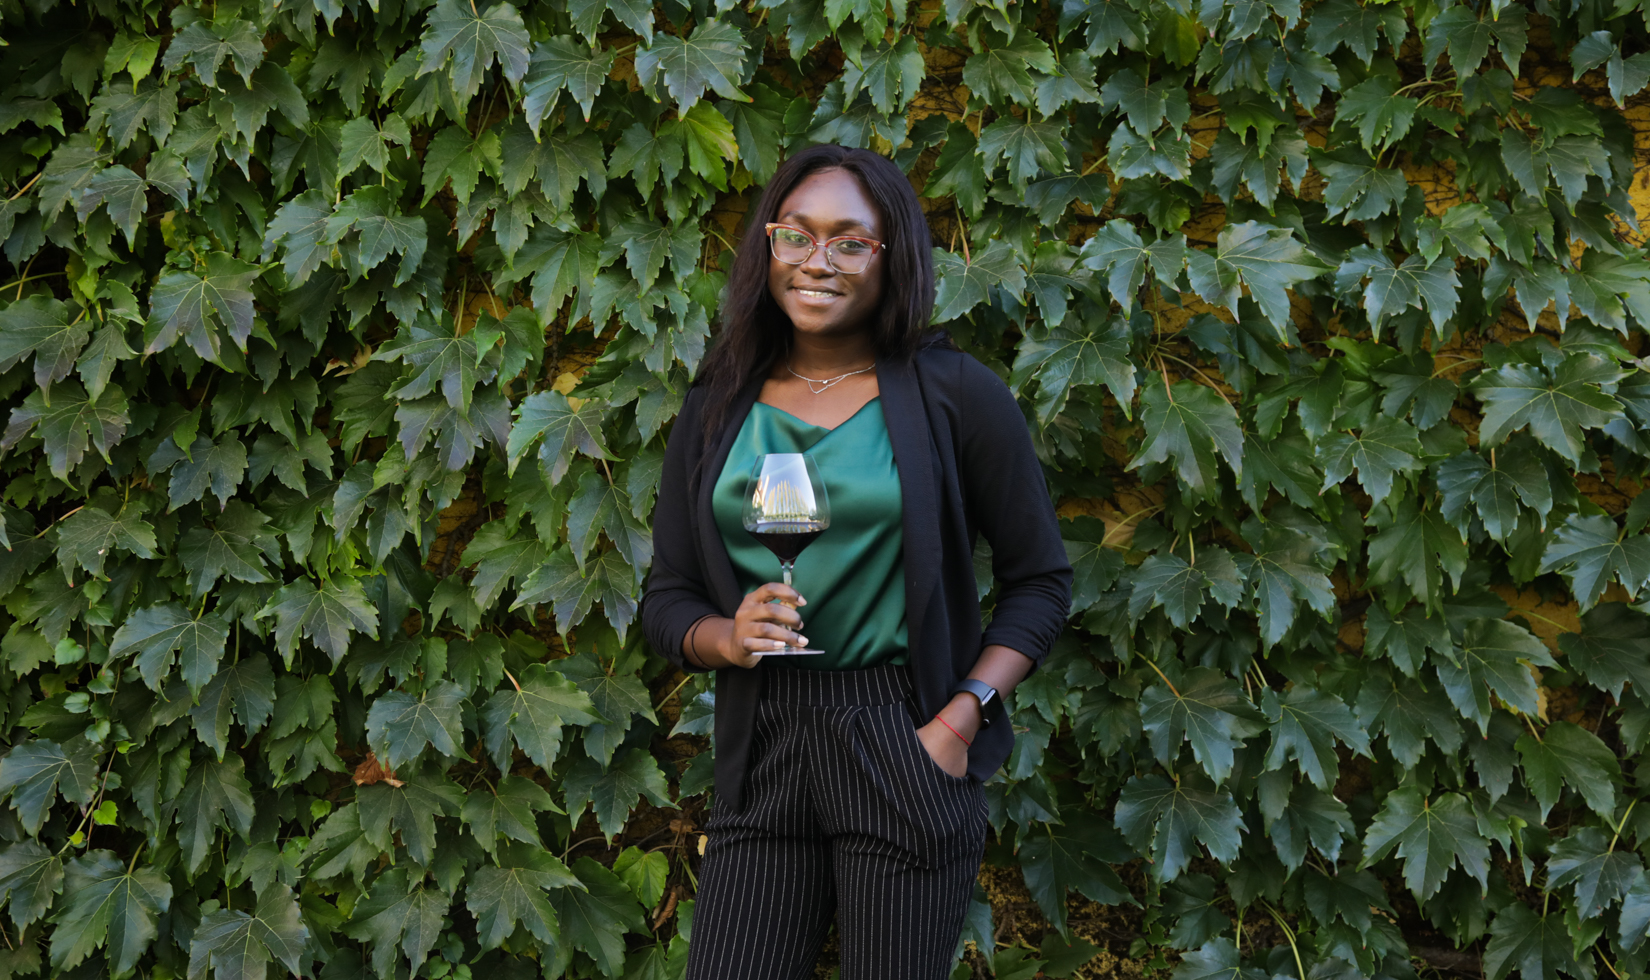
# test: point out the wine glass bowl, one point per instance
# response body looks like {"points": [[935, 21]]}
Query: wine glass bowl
{"points": [[786, 509]]}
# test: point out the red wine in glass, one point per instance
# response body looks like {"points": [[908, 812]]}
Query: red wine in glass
{"points": [[786, 509]]}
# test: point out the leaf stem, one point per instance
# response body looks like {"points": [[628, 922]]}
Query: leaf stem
{"points": [[1620, 826], [1153, 665], [1535, 615], [25, 188], [19, 282], [667, 697], [1288, 934], [54, 523], [1199, 372], [1459, 363]]}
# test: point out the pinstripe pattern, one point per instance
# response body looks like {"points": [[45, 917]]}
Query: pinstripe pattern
{"points": [[845, 813]]}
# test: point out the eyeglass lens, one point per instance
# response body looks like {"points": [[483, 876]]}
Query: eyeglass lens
{"points": [[844, 255]]}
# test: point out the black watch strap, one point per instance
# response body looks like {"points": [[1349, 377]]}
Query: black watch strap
{"points": [[980, 689]]}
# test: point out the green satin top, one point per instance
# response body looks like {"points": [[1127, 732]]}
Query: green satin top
{"points": [[853, 575]]}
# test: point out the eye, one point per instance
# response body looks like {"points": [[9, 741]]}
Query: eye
{"points": [[788, 236], [849, 246]]}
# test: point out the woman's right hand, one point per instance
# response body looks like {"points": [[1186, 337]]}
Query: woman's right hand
{"points": [[761, 624]]}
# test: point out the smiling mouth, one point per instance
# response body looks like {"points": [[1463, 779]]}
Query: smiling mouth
{"points": [[815, 292]]}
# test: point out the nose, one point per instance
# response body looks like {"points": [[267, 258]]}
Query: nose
{"points": [[817, 265]]}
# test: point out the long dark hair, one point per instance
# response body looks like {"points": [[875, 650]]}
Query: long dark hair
{"points": [[754, 330]]}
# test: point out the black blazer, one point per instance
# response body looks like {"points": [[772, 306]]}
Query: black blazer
{"points": [[966, 467]]}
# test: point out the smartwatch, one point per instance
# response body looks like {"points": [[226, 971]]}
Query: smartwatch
{"points": [[980, 689]]}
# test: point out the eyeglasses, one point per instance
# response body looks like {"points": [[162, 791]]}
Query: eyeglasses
{"points": [[846, 254]]}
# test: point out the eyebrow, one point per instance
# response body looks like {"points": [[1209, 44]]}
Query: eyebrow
{"points": [[789, 216]]}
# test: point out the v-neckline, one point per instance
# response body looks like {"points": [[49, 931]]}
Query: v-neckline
{"points": [[827, 430]]}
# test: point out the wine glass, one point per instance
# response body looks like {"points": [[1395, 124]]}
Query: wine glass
{"points": [[786, 509]]}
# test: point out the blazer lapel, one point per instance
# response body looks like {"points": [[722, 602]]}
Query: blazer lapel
{"points": [[718, 566], [912, 442]]}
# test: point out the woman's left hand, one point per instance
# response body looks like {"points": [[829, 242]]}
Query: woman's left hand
{"points": [[944, 747]]}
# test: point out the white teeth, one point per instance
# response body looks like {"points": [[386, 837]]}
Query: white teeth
{"points": [[815, 292]]}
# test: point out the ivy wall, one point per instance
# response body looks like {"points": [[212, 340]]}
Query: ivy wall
{"points": [[340, 345]]}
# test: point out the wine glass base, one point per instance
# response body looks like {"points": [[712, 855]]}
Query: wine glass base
{"points": [[788, 652]]}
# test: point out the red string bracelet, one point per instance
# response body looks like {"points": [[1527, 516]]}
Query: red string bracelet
{"points": [[947, 724]]}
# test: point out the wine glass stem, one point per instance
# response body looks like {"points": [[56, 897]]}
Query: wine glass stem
{"points": [[785, 569]]}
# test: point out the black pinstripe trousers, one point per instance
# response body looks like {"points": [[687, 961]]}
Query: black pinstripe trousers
{"points": [[846, 813]]}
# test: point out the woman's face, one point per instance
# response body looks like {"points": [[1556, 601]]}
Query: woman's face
{"points": [[819, 300]]}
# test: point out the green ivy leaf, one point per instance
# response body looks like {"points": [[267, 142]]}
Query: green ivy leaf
{"points": [[1206, 709], [596, 917], [1417, 548], [562, 64], [35, 771], [1028, 148], [891, 73], [475, 40], [1057, 860], [565, 428], [1191, 425], [1306, 724], [398, 917], [1430, 836], [399, 726], [687, 66], [109, 904], [1169, 820], [70, 424], [1539, 947], [325, 616], [1381, 116], [88, 537], [375, 228], [966, 282], [193, 307], [215, 797], [1267, 260], [507, 811], [1556, 407], [160, 631], [1600, 874], [644, 874], [515, 892], [1568, 755], [1064, 357], [533, 715], [235, 943], [41, 327], [1495, 655], [1612, 648], [206, 49], [408, 811], [1392, 289], [1003, 71], [1592, 551], [31, 877], [612, 793], [1384, 449]]}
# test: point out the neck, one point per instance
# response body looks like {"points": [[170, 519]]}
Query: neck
{"points": [[829, 356]]}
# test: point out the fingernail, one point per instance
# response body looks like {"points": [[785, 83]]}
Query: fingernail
{"points": [[801, 601], [779, 644], [801, 641]]}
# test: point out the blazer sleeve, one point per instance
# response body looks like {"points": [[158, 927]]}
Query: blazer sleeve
{"points": [[675, 596], [1007, 498]]}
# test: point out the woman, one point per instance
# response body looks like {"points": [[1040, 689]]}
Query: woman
{"points": [[848, 781]]}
